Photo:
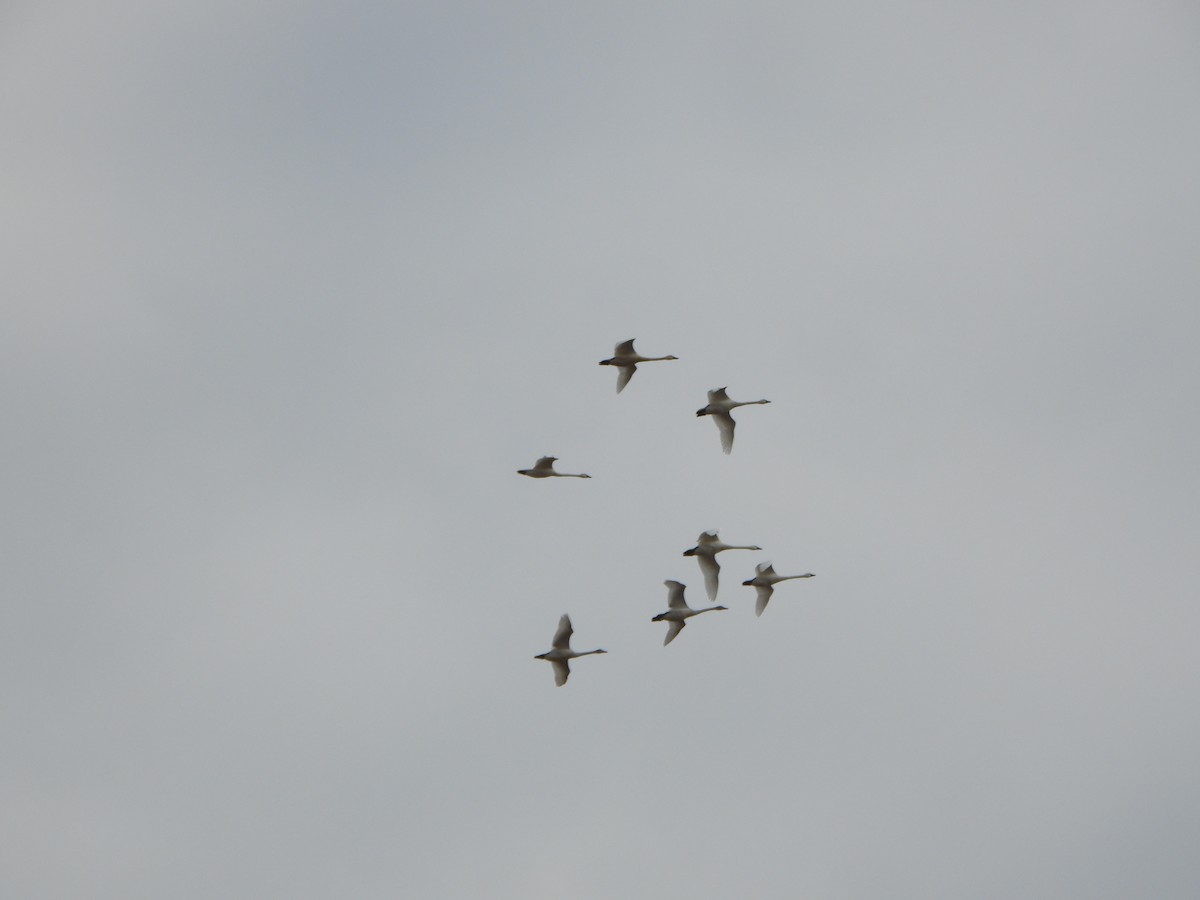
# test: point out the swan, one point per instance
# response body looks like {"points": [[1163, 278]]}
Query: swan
{"points": [[627, 359], [562, 653], [678, 612], [719, 407], [705, 551], [544, 468], [764, 582]]}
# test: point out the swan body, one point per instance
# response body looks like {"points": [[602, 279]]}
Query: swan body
{"points": [[707, 547], [626, 359], [544, 468], [561, 653], [719, 406], [678, 612], [764, 582]]}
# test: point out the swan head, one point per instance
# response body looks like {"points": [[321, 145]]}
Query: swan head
{"points": [[720, 607]]}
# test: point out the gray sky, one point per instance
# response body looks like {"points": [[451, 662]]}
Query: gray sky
{"points": [[292, 290]]}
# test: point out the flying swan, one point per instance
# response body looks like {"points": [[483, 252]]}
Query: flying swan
{"points": [[719, 407], [764, 582], [705, 551], [561, 654], [626, 359], [678, 612], [544, 468]]}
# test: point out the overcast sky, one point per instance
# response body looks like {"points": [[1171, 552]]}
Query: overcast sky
{"points": [[292, 289]]}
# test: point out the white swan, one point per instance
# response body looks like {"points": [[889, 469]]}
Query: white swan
{"points": [[627, 359], [678, 612], [562, 653], [544, 468], [719, 406], [764, 582], [705, 551]]}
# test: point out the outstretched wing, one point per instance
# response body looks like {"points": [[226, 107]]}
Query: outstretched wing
{"points": [[562, 671], [562, 637], [625, 348], [712, 571], [545, 464], [673, 628], [624, 373], [725, 425], [765, 568], [707, 537], [764, 592], [675, 595], [717, 395]]}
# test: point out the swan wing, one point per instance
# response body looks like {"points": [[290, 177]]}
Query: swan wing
{"points": [[673, 628], [707, 537], [725, 425], [712, 571], [562, 637], [764, 592], [562, 671], [624, 373], [675, 595], [545, 464], [717, 396], [765, 568], [625, 348]]}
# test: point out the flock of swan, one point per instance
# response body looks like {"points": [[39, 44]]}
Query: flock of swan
{"points": [[708, 545]]}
